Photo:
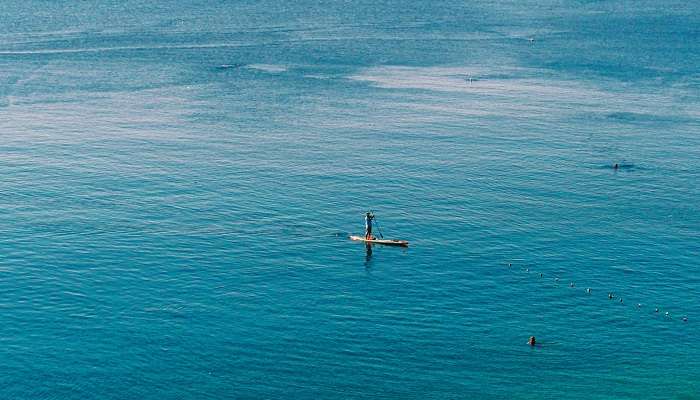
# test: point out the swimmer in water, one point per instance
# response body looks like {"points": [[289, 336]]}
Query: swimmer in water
{"points": [[616, 166], [610, 296], [656, 310], [588, 290], [685, 319], [532, 341], [572, 284]]}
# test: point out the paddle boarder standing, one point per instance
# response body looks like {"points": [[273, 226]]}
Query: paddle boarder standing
{"points": [[368, 225]]}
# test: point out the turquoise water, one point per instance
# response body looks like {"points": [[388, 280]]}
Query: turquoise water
{"points": [[179, 180]]}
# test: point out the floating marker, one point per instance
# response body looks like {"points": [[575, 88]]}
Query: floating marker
{"points": [[611, 295]]}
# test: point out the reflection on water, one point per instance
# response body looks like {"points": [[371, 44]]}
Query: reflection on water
{"points": [[368, 254]]}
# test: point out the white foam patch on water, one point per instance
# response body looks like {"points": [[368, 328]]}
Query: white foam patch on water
{"points": [[271, 68], [483, 91], [79, 116], [505, 82], [318, 76]]}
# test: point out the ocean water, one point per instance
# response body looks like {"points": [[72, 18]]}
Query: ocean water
{"points": [[179, 179]]}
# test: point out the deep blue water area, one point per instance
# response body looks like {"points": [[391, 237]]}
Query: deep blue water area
{"points": [[179, 180]]}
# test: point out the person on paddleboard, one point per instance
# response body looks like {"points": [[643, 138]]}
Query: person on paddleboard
{"points": [[368, 225]]}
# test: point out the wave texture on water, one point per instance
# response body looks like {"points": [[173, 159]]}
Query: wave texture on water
{"points": [[179, 182]]}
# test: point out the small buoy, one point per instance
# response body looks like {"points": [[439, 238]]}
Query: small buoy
{"points": [[527, 269], [667, 313], [638, 305], [588, 290]]}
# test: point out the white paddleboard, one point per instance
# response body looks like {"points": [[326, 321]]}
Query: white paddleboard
{"points": [[389, 242]]}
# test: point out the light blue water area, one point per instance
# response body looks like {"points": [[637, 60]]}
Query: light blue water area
{"points": [[179, 180]]}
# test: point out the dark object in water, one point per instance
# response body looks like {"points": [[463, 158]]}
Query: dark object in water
{"points": [[532, 341], [619, 166]]}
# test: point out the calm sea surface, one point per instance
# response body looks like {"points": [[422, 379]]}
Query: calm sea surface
{"points": [[178, 180]]}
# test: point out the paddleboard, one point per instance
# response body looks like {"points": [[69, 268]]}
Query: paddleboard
{"points": [[389, 242]]}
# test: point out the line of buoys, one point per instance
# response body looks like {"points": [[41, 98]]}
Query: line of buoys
{"points": [[611, 295]]}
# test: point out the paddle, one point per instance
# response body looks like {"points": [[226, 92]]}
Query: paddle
{"points": [[378, 228]]}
